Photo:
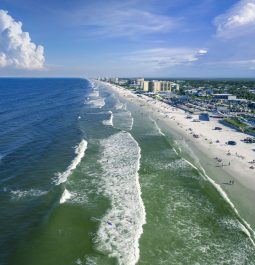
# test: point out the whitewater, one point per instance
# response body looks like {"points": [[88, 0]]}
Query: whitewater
{"points": [[121, 227], [80, 152], [127, 190]]}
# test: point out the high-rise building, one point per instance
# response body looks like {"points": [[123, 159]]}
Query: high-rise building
{"points": [[146, 86], [114, 80], [139, 82], [166, 86], [157, 86]]}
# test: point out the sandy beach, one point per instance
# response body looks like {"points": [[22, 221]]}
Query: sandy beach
{"points": [[231, 167]]}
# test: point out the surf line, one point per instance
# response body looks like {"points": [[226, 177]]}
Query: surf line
{"points": [[80, 152], [122, 226], [157, 127], [244, 226], [192, 165], [96, 103]]}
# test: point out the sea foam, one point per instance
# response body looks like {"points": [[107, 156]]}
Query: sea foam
{"points": [[65, 196], [121, 227], [123, 120], [18, 194], [94, 93], [92, 84], [119, 105], [109, 122], [80, 152], [96, 103]]}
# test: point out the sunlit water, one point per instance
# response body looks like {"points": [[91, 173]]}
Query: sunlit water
{"points": [[89, 179]]}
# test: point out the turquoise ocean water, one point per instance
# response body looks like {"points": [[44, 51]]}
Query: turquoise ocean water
{"points": [[88, 178]]}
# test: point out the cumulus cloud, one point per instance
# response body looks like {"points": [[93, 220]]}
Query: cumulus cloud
{"points": [[237, 21], [16, 48], [166, 57]]}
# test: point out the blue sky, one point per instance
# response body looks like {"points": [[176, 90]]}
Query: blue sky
{"points": [[151, 38]]}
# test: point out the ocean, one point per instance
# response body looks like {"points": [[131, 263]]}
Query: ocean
{"points": [[89, 178]]}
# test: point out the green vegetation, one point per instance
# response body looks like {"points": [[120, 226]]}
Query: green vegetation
{"points": [[235, 122], [127, 87], [240, 88], [242, 93]]}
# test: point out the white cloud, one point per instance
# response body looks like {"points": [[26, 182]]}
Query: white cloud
{"points": [[131, 22], [237, 21], [16, 48], [120, 20], [202, 52], [166, 57]]}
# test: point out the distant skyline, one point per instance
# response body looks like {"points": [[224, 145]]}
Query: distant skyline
{"points": [[147, 38]]}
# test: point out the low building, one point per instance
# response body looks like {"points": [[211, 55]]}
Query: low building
{"points": [[204, 116], [175, 86], [123, 82], [224, 97], [239, 101], [192, 91]]}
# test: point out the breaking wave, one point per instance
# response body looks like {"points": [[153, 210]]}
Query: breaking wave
{"points": [[80, 152], [121, 227], [94, 93], [96, 103], [65, 196], [109, 122]]}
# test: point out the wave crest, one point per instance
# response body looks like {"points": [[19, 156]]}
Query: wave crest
{"points": [[80, 152]]}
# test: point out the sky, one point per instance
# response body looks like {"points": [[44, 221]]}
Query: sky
{"points": [[127, 38]]}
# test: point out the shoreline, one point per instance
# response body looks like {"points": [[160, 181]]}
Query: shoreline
{"points": [[232, 173]]}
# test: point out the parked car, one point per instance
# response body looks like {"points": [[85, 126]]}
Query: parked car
{"points": [[231, 142]]}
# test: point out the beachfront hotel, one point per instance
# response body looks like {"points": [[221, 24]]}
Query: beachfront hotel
{"points": [[157, 86]]}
